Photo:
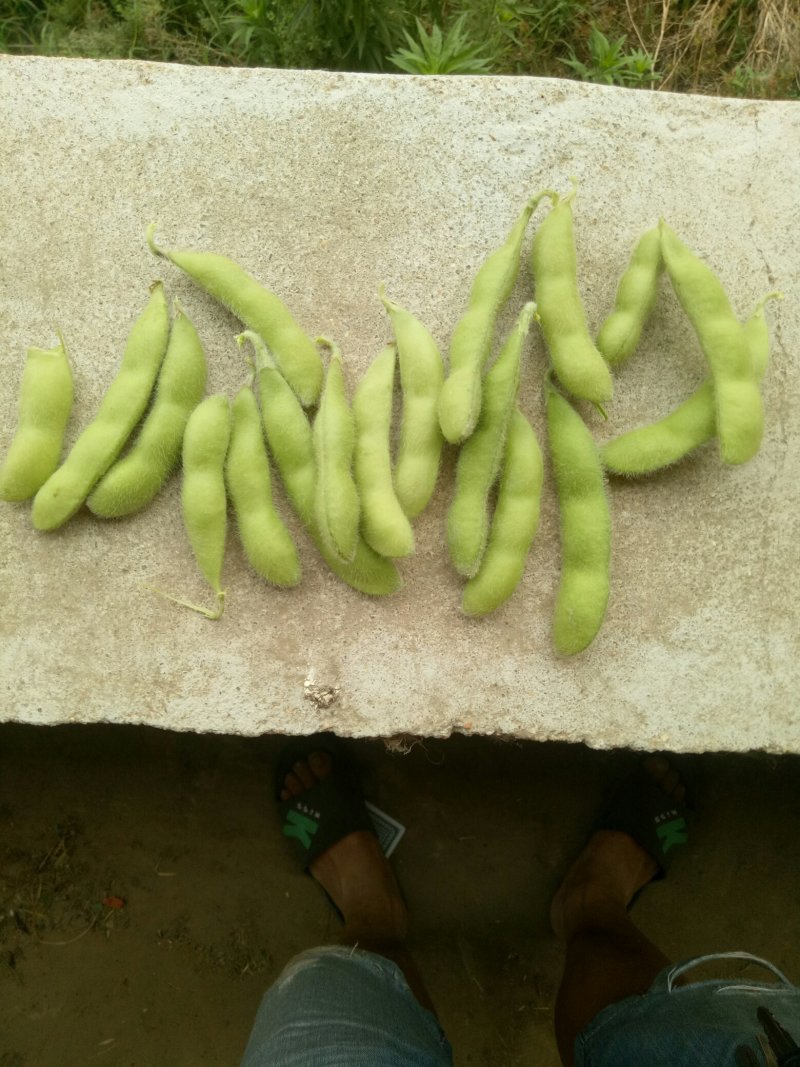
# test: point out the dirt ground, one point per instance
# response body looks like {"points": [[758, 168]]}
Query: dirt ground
{"points": [[147, 898]]}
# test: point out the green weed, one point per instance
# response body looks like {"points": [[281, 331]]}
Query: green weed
{"points": [[610, 64], [438, 53]]}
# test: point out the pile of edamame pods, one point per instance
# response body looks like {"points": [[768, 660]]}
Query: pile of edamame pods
{"points": [[356, 501]]}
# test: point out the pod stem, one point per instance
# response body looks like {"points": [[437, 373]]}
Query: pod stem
{"points": [[776, 294], [189, 604], [262, 355], [326, 342], [390, 305], [149, 234], [528, 315]]}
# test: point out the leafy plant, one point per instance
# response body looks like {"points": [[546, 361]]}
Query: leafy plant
{"points": [[610, 64], [253, 34], [437, 53]]}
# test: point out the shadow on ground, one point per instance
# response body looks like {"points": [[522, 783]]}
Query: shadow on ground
{"points": [[147, 898]]}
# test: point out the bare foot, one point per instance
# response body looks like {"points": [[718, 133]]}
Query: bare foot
{"points": [[354, 871], [612, 867]]}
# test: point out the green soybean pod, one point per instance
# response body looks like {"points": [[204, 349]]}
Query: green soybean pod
{"points": [[460, 396], [45, 401], [693, 423], [259, 309], [205, 446], [421, 376], [136, 478], [121, 408], [514, 524], [336, 502], [662, 443], [585, 527], [384, 525], [739, 407], [267, 543], [290, 441], [636, 293], [578, 365], [481, 455]]}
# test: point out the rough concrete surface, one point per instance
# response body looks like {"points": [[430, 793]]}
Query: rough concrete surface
{"points": [[323, 186]]}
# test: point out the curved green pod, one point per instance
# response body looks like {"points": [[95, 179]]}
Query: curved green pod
{"points": [[267, 543], [514, 523], [470, 345], [585, 527], [693, 423], [203, 495], [45, 403], [636, 293], [384, 525], [421, 377], [259, 309], [738, 403], [290, 441], [122, 406], [336, 505], [578, 365], [137, 477], [481, 455]]}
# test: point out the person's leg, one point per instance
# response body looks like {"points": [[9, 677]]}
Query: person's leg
{"points": [[607, 957], [357, 877], [360, 1002]]}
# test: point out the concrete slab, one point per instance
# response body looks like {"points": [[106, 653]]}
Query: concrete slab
{"points": [[324, 185]]}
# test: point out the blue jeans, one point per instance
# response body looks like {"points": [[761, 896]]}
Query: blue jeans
{"points": [[697, 1025], [341, 1007]]}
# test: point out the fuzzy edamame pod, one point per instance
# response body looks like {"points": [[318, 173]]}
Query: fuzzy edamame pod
{"points": [[384, 525], [481, 454], [259, 309], [290, 441], [514, 524], [205, 446], [267, 543], [693, 423], [136, 478], [577, 363], [460, 396], [585, 527], [336, 503], [122, 406], [636, 293], [421, 376], [739, 407], [45, 401]]}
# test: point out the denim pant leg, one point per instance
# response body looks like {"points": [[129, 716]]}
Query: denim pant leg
{"points": [[696, 1025], [343, 1007]]}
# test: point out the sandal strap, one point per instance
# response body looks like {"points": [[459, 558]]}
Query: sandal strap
{"points": [[327, 812], [640, 808]]}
